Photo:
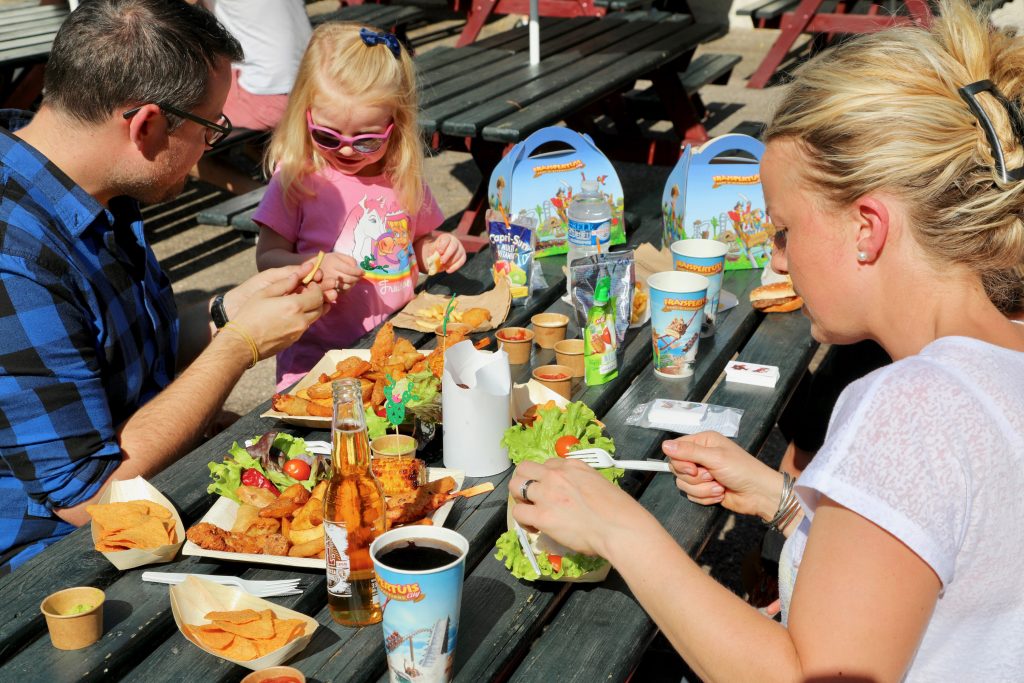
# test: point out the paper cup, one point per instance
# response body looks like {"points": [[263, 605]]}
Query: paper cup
{"points": [[677, 310], [452, 328], [192, 599], [707, 258], [139, 489], [70, 630], [393, 446], [423, 597], [558, 378], [550, 328], [569, 352], [518, 350]]}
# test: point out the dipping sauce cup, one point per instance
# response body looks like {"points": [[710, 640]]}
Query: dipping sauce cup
{"points": [[393, 446], [517, 342], [74, 617], [569, 352], [550, 328], [452, 327], [558, 378]]}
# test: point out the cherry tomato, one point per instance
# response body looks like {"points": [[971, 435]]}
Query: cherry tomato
{"points": [[297, 469], [556, 563], [380, 411], [565, 444]]}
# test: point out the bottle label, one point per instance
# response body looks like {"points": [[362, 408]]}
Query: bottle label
{"points": [[589, 233], [336, 554]]}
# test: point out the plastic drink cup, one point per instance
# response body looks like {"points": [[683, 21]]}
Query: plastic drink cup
{"points": [[419, 575], [707, 258], [677, 311]]}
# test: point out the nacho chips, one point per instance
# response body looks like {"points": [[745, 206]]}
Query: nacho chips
{"points": [[245, 634], [132, 524]]}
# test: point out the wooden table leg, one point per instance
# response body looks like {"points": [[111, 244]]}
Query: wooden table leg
{"points": [[685, 119], [479, 11], [793, 24]]}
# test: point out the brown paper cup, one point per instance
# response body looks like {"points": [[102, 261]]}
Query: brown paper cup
{"points": [[518, 350], [451, 329], [74, 631], [275, 672], [563, 387], [569, 352], [550, 328], [393, 445]]}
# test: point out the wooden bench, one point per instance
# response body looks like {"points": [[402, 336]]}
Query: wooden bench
{"points": [[394, 18], [26, 33], [710, 68]]}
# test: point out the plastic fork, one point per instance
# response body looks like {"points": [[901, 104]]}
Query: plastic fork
{"points": [[600, 458], [261, 589]]}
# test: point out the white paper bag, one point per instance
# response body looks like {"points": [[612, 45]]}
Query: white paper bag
{"points": [[475, 390]]}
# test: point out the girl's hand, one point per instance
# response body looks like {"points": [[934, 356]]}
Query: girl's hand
{"points": [[448, 247], [572, 503], [340, 271], [275, 308], [711, 468]]}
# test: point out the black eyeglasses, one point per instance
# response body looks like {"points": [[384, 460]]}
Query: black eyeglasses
{"points": [[215, 131]]}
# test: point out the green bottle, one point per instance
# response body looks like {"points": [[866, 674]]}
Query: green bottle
{"points": [[599, 339]]}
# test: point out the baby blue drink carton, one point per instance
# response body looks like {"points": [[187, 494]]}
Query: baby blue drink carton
{"points": [[538, 179], [714, 193], [419, 571]]}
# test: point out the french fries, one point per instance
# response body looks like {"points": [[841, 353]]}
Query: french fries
{"points": [[430, 317]]}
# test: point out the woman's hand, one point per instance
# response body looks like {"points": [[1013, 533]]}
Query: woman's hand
{"points": [[340, 272], [572, 503], [450, 250], [275, 308], [711, 469]]}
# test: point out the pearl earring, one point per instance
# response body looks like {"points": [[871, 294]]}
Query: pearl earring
{"points": [[863, 256]]}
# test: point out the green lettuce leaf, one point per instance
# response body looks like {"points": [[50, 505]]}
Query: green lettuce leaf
{"points": [[227, 475], [537, 442], [376, 426], [574, 565]]}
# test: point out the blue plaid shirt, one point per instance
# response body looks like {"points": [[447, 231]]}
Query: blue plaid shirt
{"points": [[88, 333]]}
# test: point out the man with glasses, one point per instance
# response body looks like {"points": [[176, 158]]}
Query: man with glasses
{"points": [[90, 338]]}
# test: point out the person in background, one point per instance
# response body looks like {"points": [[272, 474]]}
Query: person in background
{"points": [[894, 168], [273, 35], [90, 337], [348, 181]]}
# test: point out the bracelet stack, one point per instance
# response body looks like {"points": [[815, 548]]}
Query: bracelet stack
{"points": [[244, 334], [788, 505]]}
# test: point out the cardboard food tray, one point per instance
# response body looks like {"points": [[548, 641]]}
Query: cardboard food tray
{"points": [[194, 598], [327, 365], [225, 510], [496, 300], [139, 489]]}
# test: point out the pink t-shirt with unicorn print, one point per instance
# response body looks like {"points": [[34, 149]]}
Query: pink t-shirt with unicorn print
{"points": [[361, 217]]}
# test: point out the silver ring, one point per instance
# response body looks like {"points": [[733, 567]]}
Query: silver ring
{"points": [[524, 488]]}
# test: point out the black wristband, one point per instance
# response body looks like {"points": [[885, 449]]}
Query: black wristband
{"points": [[217, 312]]}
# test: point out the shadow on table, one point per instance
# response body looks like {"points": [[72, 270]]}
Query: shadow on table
{"points": [[114, 612], [499, 599]]}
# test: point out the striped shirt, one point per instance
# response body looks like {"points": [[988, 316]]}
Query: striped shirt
{"points": [[88, 333]]}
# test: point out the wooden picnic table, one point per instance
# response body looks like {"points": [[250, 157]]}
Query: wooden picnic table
{"points": [[509, 629], [485, 97]]}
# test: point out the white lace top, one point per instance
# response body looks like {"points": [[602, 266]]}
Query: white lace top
{"points": [[931, 449]]}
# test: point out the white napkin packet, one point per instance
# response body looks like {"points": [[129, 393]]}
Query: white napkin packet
{"points": [[683, 417], [751, 373], [681, 413]]}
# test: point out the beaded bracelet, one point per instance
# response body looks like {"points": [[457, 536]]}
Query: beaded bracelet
{"points": [[241, 331]]}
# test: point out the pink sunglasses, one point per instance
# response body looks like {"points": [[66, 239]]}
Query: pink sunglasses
{"points": [[329, 139]]}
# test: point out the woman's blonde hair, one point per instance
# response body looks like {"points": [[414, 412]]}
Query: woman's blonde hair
{"points": [[883, 113], [337, 60]]}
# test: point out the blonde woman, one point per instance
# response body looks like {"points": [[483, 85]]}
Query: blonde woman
{"points": [[348, 181], [893, 169]]}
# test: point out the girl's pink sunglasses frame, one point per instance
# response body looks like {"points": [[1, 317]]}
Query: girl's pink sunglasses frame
{"points": [[344, 140]]}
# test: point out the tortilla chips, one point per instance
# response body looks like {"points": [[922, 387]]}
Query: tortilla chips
{"points": [[132, 524], [245, 634]]}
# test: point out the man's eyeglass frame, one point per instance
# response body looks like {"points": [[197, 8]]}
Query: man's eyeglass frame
{"points": [[219, 130]]}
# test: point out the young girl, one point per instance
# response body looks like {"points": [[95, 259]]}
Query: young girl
{"points": [[348, 180]]}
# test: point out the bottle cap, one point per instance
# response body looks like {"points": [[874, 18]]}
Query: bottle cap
{"points": [[602, 291]]}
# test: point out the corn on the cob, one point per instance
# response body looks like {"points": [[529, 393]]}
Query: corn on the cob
{"points": [[399, 475]]}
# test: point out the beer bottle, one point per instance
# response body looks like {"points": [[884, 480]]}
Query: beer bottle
{"points": [[354, 513]]}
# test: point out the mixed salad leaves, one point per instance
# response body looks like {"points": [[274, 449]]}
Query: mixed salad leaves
{"points": [[275, 461], [555, 432]]}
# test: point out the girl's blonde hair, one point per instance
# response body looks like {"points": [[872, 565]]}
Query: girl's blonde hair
{"points": [[337, 60], [883, 113]]}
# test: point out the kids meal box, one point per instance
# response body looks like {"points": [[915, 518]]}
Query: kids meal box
{"points": [[714, 192], [529, 195]]}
